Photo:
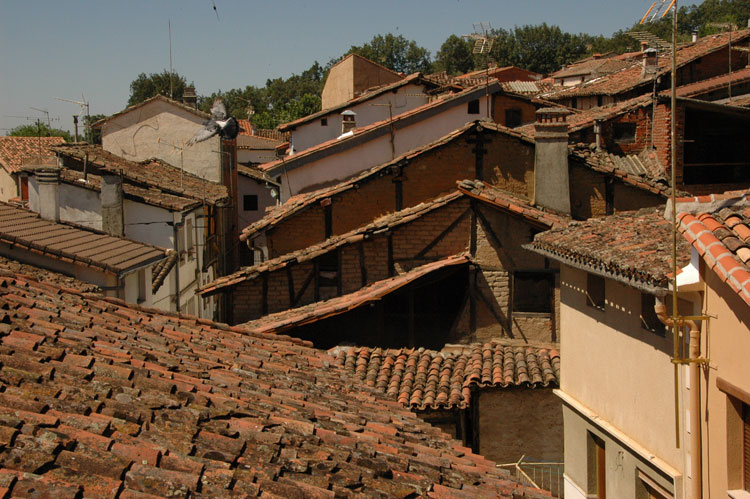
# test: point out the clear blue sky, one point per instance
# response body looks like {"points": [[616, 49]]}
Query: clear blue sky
{"points": [[53, 48]]}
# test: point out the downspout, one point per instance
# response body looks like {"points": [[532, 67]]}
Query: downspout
{"points": [[694, 404], [177, 266]]}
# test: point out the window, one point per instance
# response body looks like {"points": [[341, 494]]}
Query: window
{"points": [[250, 202], [473, 106], [597, 469], [323, 121], [648, 488], [189, 235], [141, 285], [24, 188], [512, 117], [649, 320], [532, 291], [595, 291], [623, 132]]}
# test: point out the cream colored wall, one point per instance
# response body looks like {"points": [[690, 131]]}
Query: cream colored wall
{"points": [[160, 130], [8, 186], [728, 340], [613, 366], [338, 87]]}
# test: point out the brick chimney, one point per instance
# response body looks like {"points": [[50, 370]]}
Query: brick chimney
{"points": [[189, 98], [348, 121], [48, 184], [650, 63], [111, 200], [551, 181]]}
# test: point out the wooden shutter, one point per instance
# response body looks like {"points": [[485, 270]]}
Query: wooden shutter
{"points": [[746, 445]]}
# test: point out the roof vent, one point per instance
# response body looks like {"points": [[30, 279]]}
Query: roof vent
{"points": [[348, 121]]}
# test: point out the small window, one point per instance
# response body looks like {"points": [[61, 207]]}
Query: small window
{"points": [[595, 291], [323, 121], [599, 100], [649, 320], [532, 291], [512, 118], [141, 285], [623, 132], [597, 469], [250, 202], [473, 106], [189, 235]]}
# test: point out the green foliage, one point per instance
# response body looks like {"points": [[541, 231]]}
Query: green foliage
{"points": [[455, 56], [39, 129], [95, 133], [147, 86], [395, 52]]}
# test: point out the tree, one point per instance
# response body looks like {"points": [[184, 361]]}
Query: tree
{"points": [[95, 133], [455, 56], [146, 86], [395, 52], [39, 129]]}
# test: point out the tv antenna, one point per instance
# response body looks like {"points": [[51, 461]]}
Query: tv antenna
{"points": [[657, 11], [482, 37], [83, 103], [46, 113]]}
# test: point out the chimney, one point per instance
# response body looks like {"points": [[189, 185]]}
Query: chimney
{"points": [[650, 63], [348, 122], [189, 98], [551, 183], [695, 33], [48, 182], [111, 199]]}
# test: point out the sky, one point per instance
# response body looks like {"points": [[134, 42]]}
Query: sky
{"points": [[92, 50]]}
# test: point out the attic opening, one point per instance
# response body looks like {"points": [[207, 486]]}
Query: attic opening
{"points": [[418, 314], [715, 148]]}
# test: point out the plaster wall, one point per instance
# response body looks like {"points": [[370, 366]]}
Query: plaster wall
{"points": [[247, 186], [160, 130], [373, 110], [608, 360], [351, 77], [335, 167], [728, 340], [8, 186]]}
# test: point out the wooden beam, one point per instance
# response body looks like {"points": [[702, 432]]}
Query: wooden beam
{"points": [[492, 310], [290, 285], [316, 278], [264, 284], [339, 277], [362, 264], [304, 287], [391, 268]]}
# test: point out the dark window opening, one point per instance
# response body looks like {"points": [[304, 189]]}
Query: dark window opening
{"points": [[533, 291], [715, 149], [250, 202], [599, 100], [623, 132], [512, 118], [595, 291], [649, 320], [323, 121], [574, 103], [597, 469], [473, 106], [24, 188]]}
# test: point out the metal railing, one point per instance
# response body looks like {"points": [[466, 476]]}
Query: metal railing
{"points": [[538, 474]]}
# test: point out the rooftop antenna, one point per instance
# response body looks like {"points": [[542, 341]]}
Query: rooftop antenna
{"points": [[45, 112], [83, 103], [483, 41], [171, 92]]}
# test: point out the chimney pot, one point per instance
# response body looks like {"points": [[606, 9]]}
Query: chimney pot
{"points": [[348, 121], [189, 97], [48, 181], [111, 200]]}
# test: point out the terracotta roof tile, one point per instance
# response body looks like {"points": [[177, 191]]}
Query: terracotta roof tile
{"points": [[629, 78], [22, 228], [427, 379], [191, 407], [718, 227], [150, 174], [633, 247], [14, 151]]}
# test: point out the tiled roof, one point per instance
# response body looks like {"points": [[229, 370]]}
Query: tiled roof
{"points": [[161, 270], [630, 77], [704, 86], [387, 221], [631, 247], [21, 228], [428, 379], [592, 66], [525, 87], [586, 118], [299, 202], [15, 150], [158, 97], [254, 173], [152, 173], [395, 122], [512, 204], [313, 312], [718, 227], [9, 266], [102, 399], [367, 95], [150, 196]]}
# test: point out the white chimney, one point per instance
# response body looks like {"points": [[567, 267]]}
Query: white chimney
{"points": [[48, 182], [111, 200], [348, 121]]}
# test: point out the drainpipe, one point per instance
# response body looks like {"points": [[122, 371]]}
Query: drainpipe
{"points": [[176, 246], [694, 404]]}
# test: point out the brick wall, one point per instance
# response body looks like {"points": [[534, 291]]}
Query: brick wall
{"points": [[502, 102], [304, 229], [509, 165]]}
